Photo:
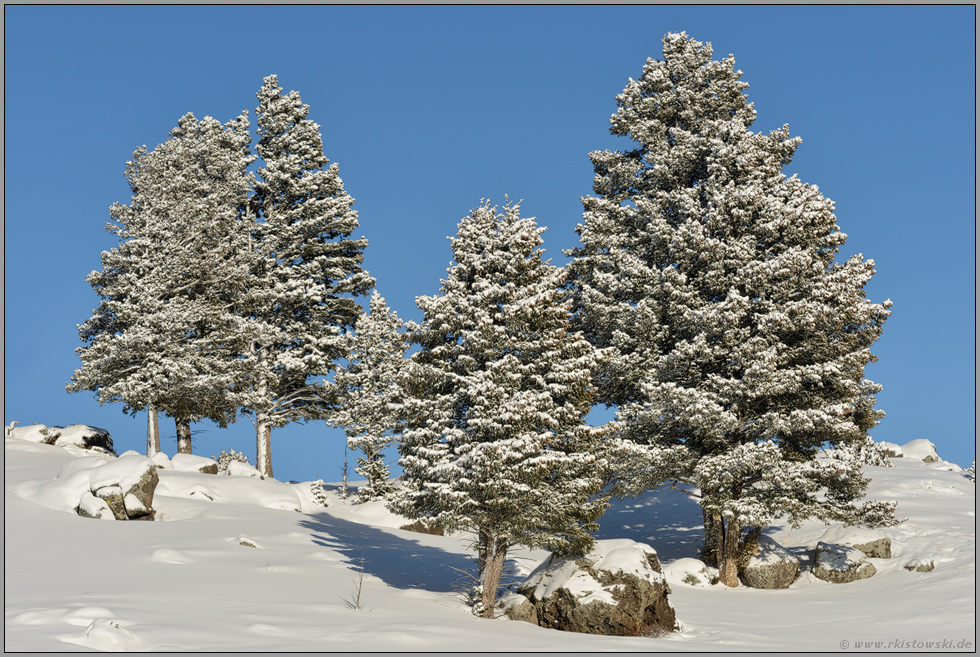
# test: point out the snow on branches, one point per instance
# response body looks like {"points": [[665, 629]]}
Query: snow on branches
{"points": [[496, 398], [739, 335], [368, 394]]}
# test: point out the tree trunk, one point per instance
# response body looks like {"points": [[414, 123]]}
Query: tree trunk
{"points": [[152, 430], [263, 443], [728, 569], [714, 529], [494, 554], [183, 437]]}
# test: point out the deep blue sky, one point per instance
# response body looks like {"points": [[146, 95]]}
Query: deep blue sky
{"points": [[427, 110]]}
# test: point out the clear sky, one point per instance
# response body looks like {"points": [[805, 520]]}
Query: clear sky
{"points": [[427, 110]]}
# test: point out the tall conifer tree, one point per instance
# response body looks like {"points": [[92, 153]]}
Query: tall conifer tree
{"points": [[741, 340], [163, 336], [496, 400], [306, 270]]}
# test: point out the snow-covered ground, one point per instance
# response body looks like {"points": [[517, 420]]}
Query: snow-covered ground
{"points": [[188, 582]]}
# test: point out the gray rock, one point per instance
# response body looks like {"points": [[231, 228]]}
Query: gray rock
{"points": [[90, 506], [840, 564], [921, 565], [880, 549], [127, 485], [771, 566], [81, 435], [136, 510], [113, 496], [618, 589], [519, 608], [144, 488]]}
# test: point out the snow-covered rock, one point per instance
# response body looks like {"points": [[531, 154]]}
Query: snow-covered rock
{"points": [[90, 506], [618, 588], [127, 485], [194, 463], [893, 450], [111, 480], [692, 572], [921, 565], [870, 541], [920, 449], [239, 469], [161, 461], [517, 607], [75, 435], [771, 566], [840, 564]]}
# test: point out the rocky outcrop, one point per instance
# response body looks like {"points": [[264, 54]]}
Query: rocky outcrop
{"points": [[75, 435], [517, 607], [124, 487], [840, 564], [872, 542], [618, 588], [771, 566]]}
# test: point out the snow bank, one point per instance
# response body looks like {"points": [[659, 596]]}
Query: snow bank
{"points": [[921, 450], [266, 493]]}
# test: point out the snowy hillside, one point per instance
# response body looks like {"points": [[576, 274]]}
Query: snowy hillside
{"points": [[193, 582]]}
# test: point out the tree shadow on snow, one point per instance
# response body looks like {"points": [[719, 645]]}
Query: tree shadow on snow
{"points": [[399, 562], [667, 520]]}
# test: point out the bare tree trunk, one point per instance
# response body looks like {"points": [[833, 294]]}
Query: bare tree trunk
{"points": [[728, 569], [263, 421], [263, 443], [495, 554], [183, 437], [714, 528], [152, 430]]}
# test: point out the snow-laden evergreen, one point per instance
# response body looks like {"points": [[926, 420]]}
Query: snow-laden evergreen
{"points": [[306, 270], [496, 400], [741, 339], [163, 336], [367, 391]]}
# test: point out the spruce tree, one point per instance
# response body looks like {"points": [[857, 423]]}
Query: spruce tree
{"points": [[306, 271], [367, 393], [163, 334], [741, 339], [496, 400]]}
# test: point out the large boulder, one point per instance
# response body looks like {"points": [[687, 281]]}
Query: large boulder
{"points": [[771, 566], [126, 485], [870, 541], [618, 588], [519, 608], [921, 449], [75, 435], [840, 564]]}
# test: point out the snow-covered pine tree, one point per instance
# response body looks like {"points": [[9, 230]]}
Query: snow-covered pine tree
{"points": [[741, 340], [163, 334], [367, 391], [496, 400], [306, 271]]}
